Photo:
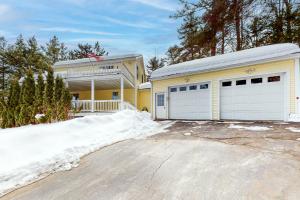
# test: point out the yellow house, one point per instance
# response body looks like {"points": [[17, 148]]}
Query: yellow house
{"points": [[255, 84], [108, 84]]}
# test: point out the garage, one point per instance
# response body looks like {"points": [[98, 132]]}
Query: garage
{"points": [[253, 98], [190, 101]]}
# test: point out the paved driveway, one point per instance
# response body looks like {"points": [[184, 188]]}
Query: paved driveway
{"points": [[193, 160]]}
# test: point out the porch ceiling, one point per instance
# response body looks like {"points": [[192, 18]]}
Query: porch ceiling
{"points": [[99, 85]]}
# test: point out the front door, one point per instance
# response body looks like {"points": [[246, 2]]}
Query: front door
{"points": [[160, 105]]}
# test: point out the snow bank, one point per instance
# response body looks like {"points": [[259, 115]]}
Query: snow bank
{"points": [[294, 118], [293, 129], [250, 128], [31, 152]]}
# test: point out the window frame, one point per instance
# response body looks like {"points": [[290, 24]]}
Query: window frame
{"points": [[180, 89], [259, 78], [173, 88], [273, 81], [195, 87], [160, 100], [203, 88], [230, 85], [243, 80]]}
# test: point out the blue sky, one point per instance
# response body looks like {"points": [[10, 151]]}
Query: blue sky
{"points": [[121, 26]]}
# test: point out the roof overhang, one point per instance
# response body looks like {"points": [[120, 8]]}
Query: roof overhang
{"points": [[231, 66], [92, 61]]}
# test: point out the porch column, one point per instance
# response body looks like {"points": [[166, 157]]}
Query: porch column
{"points": [[297, 85], [92, 94], [135, 83], [122, 92]]}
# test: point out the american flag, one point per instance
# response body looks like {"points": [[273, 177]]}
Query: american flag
{"points": [[93, 55]]}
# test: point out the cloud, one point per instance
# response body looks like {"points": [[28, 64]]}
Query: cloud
{"points": [[74, 30], [159, 4], [6, 13], [146, 25]]}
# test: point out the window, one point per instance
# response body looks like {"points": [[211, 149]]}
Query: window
{"points": [[160, 100], [204, 86], [115, 95], [241, 82], [274, 79], [137, 72], [173, 89], [226, 83], [182, 89], [256, 80], [193, 87]]}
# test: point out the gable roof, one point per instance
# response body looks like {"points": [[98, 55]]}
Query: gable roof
{"points": [[229, 60], [83, 61]]}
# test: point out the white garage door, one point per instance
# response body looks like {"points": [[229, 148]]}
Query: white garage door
{"points": [[255, 98], [190, 101]]}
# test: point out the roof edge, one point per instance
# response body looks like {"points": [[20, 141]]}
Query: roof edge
{"points": [[245, 64]]}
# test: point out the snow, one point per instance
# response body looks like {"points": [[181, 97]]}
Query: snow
{"points": [[32, 152], [229, 60], [39, 116], [294, 118], [89, 60], [293, 129], [250, 128], [146, 85]]}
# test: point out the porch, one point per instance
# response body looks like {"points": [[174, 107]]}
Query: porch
{"points": [[102, 91]]}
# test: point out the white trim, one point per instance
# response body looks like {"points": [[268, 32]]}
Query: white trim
{"points": [[135, 83], [92, 94], [122, 92], [297, 85], [165, 104]]}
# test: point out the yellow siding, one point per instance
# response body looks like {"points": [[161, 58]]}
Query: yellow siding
{"points": [[144, 99], [106, 95], [215, 77]]}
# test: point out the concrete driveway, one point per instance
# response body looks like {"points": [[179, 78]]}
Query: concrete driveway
{"points": [[192, 160]]}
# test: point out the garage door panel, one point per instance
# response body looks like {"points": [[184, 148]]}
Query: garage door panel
{"points": [[190, 104], [261, 101]]}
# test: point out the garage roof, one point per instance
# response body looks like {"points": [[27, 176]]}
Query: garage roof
{"points": [[229, 60]]}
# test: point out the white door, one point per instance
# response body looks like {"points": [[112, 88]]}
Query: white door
{"points": [[253, 98], [160, 106], [190, 102]]}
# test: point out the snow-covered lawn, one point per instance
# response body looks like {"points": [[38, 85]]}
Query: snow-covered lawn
{"points": [[31, 152], [250, 128]]}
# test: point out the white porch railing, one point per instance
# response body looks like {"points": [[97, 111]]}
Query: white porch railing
{"points": [[101, 105]]}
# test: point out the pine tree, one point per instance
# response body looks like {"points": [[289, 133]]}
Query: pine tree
{"points": [[64, 105], [27, 108], [39, 93], [155, 63], [53, 50], [10, 108], [48, 95], [58, 91]]}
